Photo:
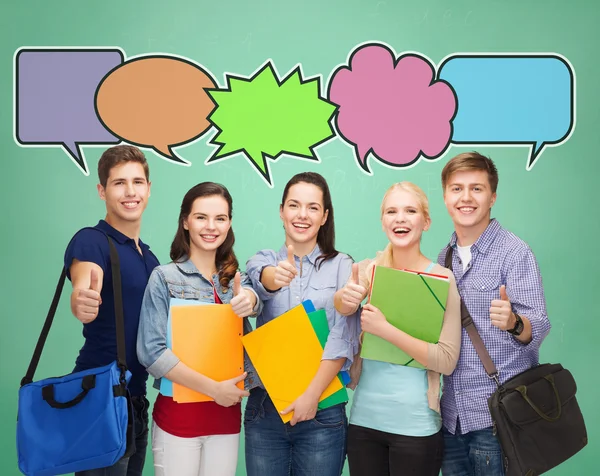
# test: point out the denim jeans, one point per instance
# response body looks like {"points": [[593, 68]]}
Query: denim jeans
{"points": [[476, 453], [315, 447], [134, 465]]}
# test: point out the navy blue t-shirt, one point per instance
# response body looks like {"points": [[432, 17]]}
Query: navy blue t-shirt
{"points": [[100, 347]]}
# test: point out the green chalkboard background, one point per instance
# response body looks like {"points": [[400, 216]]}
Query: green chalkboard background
{"points": [[45, 198]]}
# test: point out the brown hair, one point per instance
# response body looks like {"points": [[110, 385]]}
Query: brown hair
{"points": [[471, 161], [225, 260], [326, 234], [119, 155]]}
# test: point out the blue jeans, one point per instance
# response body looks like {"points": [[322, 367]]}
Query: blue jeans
{"points": [[315, 447], [476, 453], [134, 465]]}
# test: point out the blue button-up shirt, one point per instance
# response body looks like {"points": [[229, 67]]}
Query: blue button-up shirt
{"points": [[498, 257], [318, 285]]}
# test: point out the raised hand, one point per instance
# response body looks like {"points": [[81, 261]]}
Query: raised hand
{"points": [[353, 293], [241, 303], [285, 271], [501, 313], [86, 302]]}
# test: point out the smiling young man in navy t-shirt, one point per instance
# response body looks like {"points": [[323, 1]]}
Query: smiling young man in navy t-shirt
{"points": [[125, 187]]}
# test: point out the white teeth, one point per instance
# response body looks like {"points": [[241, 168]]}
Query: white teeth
{"points": [[130, 204], [401, 230], [466, 209], [209, 237], [301, 225]]}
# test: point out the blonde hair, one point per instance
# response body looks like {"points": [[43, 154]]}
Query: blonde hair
{"points": [[410, 188], [385, 257]]}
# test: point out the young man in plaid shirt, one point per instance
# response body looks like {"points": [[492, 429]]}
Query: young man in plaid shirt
{"points": [[499, 281]]}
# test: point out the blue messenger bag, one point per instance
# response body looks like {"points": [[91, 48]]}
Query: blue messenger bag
{"points": [[80, 421]]}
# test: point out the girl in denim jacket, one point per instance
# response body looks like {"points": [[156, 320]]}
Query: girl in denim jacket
{"points": [[195, 438]]}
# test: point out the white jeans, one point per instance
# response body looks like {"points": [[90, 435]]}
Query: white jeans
{"points": [[214, 455]]}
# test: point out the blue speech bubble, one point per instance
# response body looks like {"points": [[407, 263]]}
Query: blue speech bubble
{"points": [[512, 99]]}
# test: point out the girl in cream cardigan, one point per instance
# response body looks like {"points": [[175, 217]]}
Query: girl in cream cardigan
{"points": [[395, 425]]}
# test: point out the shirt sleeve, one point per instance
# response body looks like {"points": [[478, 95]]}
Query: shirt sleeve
{"points": [[526, 294], [443, 356], [88, 245], [254, 268], [442, 257], [344, 331], [151, 348]]}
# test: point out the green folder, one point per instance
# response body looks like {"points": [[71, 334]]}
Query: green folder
{"points": [[318, 320], [412, 302]]}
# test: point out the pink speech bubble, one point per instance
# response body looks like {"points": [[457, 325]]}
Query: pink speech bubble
{"points": [[392, 108]]}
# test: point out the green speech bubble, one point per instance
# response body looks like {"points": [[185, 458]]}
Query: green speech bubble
{"points": [[263, 117]]}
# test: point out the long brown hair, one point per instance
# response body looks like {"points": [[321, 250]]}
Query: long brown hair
{"points": [[326, 234], [225, 260]]}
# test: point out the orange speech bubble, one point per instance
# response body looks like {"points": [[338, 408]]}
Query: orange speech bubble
{"points": [[156, 101]]}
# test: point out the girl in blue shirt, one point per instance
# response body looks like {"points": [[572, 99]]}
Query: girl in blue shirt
{"points": [[395, 424], [307, 266]]}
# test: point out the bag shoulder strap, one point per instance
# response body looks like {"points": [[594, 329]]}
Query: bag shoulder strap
{"points": [[473, 333], [119, 319]]}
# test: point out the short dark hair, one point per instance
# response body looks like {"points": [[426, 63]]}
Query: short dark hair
{"points": [[471, 161], [118, 155]]}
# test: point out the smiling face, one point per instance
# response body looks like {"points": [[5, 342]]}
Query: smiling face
{"points": [[208, 224], [126, 193], [302, 214], [404, 218], [469, 198]]}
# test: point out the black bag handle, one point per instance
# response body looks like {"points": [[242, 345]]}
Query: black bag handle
{"points": [[469, 325], [119, 319], [522, 389], [88, 382]]}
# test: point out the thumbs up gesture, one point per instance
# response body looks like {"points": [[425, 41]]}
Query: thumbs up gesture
{"points": [[285, 271], [241, 303], [353, 292], [501, 313], [85, 302]]}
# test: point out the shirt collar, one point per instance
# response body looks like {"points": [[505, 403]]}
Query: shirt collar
{"points": [[187, 266], [482, 244], [311, 257], [117, 235]]}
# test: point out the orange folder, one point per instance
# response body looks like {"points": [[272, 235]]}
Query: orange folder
{"points": [[286, 353], [207, 339]]}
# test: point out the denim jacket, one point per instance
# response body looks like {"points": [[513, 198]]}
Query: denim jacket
{"points": [[183, 281]]}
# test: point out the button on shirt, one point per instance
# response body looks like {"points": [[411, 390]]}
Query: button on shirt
{"points": [[498, 257], [319, 286]]}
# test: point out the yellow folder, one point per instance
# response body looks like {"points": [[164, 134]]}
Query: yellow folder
{"points": [[286, 353], [207, 339]]}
